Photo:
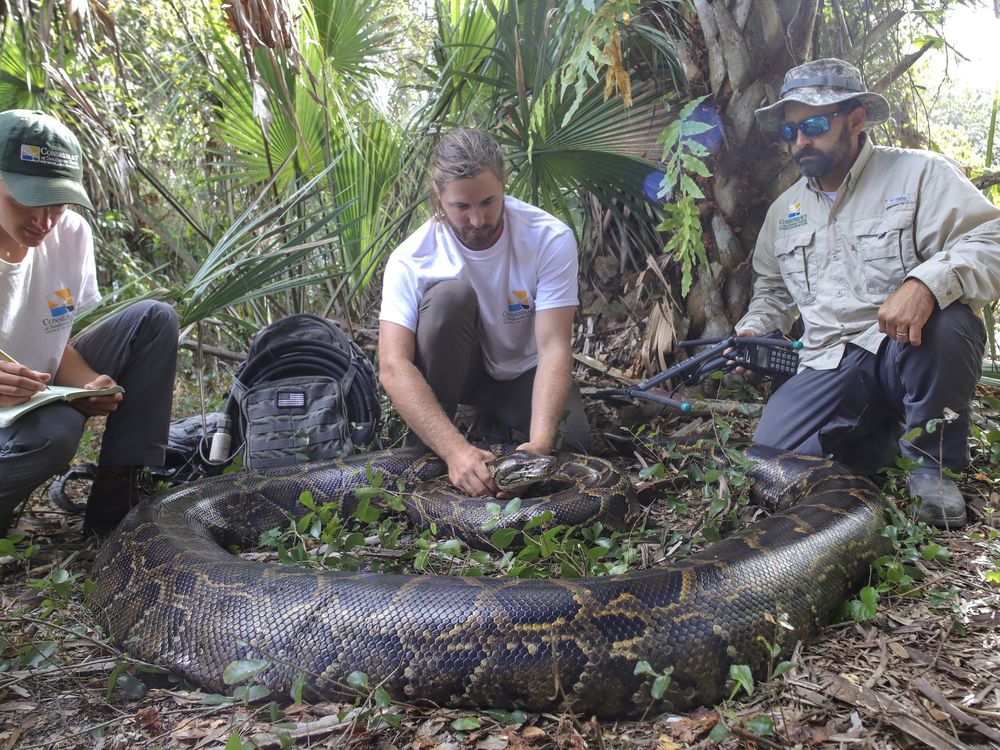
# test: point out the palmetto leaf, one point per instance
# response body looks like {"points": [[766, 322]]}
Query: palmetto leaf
{"points": [[514, 90], [262, 253]]}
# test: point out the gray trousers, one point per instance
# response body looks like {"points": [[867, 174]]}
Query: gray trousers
{"points": [[449, 357], [858, 412], [138, 348]]}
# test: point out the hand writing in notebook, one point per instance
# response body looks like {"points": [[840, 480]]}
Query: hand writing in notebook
{"points": [[17, 382]]}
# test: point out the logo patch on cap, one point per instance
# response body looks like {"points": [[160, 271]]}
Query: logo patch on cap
{"points": [[43, 155]]}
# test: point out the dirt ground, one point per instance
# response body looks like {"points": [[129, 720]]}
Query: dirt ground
{"points": [[924, 673]]}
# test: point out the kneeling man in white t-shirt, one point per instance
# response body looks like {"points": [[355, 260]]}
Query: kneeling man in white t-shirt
{"points": [[477, 308]]}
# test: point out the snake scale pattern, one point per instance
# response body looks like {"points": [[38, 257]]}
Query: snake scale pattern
{"points": [[169, 593]]}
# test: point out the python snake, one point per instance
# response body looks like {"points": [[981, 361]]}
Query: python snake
{"points": [[168, 592]]}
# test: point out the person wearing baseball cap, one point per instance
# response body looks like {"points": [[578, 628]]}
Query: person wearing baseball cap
{"points": [[888, 256], [48, 277]]}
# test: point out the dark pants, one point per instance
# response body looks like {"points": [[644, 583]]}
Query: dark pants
{"points": [[858, 411], [138, 348], [449, 356]]}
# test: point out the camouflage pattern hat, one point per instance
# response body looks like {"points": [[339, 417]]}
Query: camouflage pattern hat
{"points": [[822, 82]]}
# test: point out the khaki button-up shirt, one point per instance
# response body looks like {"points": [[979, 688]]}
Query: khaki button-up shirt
{"points": [[898, 214]]}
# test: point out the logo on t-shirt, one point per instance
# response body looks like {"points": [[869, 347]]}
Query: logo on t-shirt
{"points": [[63, 304], [518, 307], [520, 301]]}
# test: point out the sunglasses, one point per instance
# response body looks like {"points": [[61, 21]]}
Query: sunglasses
{"points": [[811, 126]]}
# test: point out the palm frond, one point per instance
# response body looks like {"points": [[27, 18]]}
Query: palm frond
{"points": [[262, 253]]}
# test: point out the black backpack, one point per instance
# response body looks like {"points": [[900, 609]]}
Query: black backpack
{"points": [[306, 392]]}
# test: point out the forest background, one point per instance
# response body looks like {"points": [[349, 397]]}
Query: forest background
{"points": [[254, 159]]}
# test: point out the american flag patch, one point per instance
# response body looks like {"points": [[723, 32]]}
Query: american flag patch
{"points": [[289, 399]]}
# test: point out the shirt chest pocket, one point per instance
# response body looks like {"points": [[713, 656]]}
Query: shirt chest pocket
{"points": [[793, 257], [883, 247]]}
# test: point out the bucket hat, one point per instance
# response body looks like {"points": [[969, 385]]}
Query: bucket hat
{"points": [[41, 161], [822, 82]]}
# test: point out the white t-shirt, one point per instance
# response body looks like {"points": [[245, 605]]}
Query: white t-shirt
{"points": [[41, 295], [533, 266]]}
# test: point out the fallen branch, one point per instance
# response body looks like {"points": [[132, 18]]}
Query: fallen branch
{"points": [[215, 351], [954, 711]]}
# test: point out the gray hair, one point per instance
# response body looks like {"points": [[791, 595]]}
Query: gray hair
{"points": [[462, 154]]}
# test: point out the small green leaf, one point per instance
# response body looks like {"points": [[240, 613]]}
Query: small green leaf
{"points": [[502, 538], [642, 667], [761, 725], [660, 685], [653, 471], [719, 733], [506, 717], [493, 509], [783, 667], [465, 724], [58, 576], [450, 547], [256, 693], [512, 507], [481, 557], [382, 698], [540, 520], [243, 669], [934, 551], [298, 685], [421, 559], [234, 742], [691, 188], [358, 680], [865, 606], [743, 677]]}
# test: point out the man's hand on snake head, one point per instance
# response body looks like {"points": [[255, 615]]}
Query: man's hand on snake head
{"points": [[468, 472]]}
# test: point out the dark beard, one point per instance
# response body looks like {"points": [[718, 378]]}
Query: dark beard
{"points": [[821, 163]]}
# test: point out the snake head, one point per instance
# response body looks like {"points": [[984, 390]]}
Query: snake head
{"points": [[520, 469]]}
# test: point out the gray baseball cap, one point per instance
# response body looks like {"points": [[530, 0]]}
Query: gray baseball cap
{"points": [[822, 82], [41, 161]]}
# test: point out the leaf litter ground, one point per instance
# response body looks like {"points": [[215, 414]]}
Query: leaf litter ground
{"points": [[925, 672]]}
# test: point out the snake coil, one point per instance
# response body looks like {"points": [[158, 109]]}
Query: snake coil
{"points": [[169, 593]]}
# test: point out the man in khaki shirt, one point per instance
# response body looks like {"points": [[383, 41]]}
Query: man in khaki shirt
{"points": [[888, 255]]}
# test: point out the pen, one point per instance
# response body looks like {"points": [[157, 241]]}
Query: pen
{"points": [[13, 361]]}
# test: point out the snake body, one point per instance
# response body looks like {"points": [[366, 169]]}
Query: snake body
{"points": [[169, 593]]}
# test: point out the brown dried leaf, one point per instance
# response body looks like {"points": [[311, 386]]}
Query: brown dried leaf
{"points": [[149, 719], [690, 728], [518, 742]]}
